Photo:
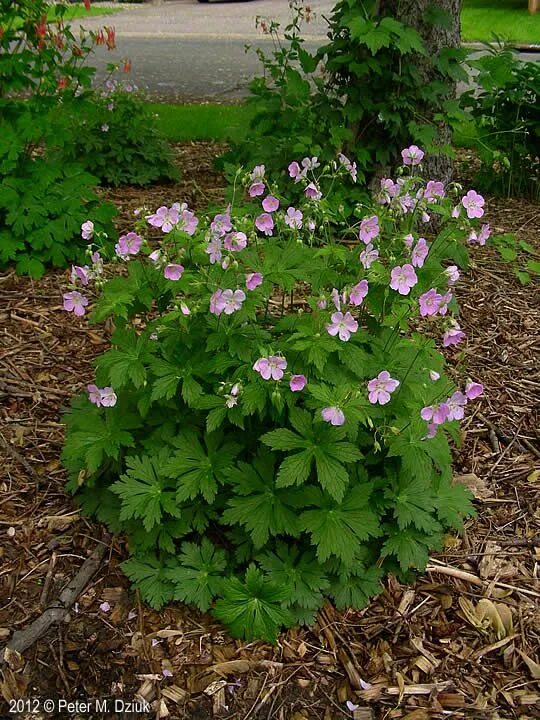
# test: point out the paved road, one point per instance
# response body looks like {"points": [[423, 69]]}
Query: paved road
{"points": [[184, 49]]}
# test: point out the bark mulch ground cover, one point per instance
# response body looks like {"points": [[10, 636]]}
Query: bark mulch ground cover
{"points": [[461, 641]]}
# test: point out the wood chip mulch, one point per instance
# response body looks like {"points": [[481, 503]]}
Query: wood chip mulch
{"points": [[462, 641]]}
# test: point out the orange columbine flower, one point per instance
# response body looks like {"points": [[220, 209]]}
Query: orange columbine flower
{"points": [[111, 38], [127, 65], [41, 27], [87, 4]]}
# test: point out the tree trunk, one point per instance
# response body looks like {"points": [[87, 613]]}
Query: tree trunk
{"points": [[435, 37]]}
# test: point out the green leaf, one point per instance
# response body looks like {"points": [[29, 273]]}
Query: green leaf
{"points": [[149, 576], [259, 506], [198, 470], [339, 529], [253, 609], [413, 504], [143, 490], [410, 547], [198, 576], [353, 589], [304, 577], [454, 502]]}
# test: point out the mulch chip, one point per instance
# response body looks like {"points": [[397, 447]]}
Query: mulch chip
{"points": [[461, 642]]}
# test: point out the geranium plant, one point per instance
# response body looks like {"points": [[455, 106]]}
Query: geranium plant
{"points": [[271, 425]]}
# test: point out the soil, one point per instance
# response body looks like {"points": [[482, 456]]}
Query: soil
{"points": [[416, 652]]}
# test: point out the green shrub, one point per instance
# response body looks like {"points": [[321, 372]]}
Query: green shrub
{"points": [[271, 425], [506, 110], [116, 137], [364, 90], [43, 200]]}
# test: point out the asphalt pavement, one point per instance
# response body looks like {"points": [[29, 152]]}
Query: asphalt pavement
{"points": [[183, 49]]}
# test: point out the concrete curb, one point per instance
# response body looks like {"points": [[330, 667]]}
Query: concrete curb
{"points": [[511, 46]]}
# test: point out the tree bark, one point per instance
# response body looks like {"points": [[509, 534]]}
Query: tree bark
{"points": [[435, 37]]}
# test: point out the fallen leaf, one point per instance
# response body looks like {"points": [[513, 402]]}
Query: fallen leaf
{"points": [[232, 667], [534, 667], [476, 485]]}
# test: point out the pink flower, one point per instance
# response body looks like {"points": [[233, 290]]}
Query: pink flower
{"points": [[412, 155], [257, 173], [108, 397], [265, 223], [445, 299], [437, 414], [87, 230], [297, 382], [430, 302], [235, 241], [482, 236], [213, 250], [79, 273], [173, 271], [310, 163], [270, 367], [231, 301], [296, 172], [187, 222], [253, 280], [256, 189], [453, 336], [434, 375], [216, 306], [342, 325], [97, 262], [403, 279], [434, 190], [369, 229], [270, 203], [221, 224], [155, 256], [129, 244], [389, 189], [75, 302], [164, 218], [453, 274], [349, 166], [425, 217], [409, 240], [473, 390], [419, 253], [359, 292], [167, 673], [336, 298], [407, 203], [431, 431], [105, 607], [368, 256], [456, 406], [441, 414], [184, 309], [333, 415], [380, 388], [293, 218], [473, 204], [426, 413], [94, 395], [312, 192]]}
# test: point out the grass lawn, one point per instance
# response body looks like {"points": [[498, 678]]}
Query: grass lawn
{"points": [[76, 11], [202, 122], [510, 19]]}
